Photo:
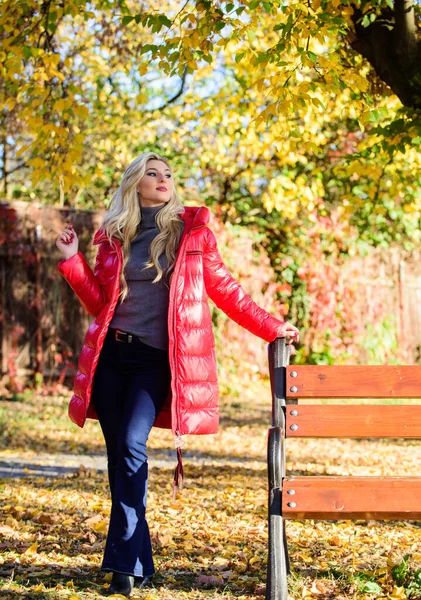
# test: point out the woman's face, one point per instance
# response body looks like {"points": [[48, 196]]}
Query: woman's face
{"points": [[156, 185]]}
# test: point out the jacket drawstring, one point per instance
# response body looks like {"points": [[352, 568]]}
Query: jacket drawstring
{"points": [[178, 474]]}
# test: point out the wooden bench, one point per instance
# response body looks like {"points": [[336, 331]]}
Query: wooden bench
{"points": [[331, 497]]}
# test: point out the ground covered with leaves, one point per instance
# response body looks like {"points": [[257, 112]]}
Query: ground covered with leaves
{"points": [[212, 541]]}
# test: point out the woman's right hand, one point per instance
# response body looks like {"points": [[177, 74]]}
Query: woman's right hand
{"points": [[67, 242], [287, 330]]}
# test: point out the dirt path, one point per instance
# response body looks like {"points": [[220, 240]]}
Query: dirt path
{"points": [[47, 464]]}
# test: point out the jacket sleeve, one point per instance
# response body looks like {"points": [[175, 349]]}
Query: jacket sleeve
{"points": [[230, 297], [88, 286]]}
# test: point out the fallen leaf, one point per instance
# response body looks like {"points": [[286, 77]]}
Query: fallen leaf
{"points": [[46, 518], [32, 549], [335, 541], [93, 520], [211, 580], [398, 593], [6, 529], [101, 527], [12, 522]]}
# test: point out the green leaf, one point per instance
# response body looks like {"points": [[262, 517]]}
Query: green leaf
{"points": [[261, 57], [399, 572], [374, 115], [156, 27], [289, 25], [164, 20], [312, 56], [359, 191], [127, 20], [52, 26], [148, 47]]}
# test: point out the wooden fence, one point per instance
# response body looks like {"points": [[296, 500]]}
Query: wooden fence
{"points": [[392, 278], [42, 327]]}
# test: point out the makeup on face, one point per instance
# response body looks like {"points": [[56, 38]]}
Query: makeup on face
{"points": [[152, 170]]}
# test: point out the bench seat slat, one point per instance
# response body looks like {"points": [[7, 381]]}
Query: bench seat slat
{"points": [[353, 421], [352, 498], [314, 381]]}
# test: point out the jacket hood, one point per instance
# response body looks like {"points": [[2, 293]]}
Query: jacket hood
{"points": [[193, 217]]}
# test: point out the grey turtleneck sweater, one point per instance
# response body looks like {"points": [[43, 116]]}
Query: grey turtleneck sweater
{"points": [[144, 312]]}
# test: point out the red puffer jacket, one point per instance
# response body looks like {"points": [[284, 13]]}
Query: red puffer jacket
{"points": [[192, 403]]}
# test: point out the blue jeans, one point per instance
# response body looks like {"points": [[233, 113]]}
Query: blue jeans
{"points": [[130, 385]]}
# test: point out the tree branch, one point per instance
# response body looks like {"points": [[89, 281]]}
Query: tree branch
{"points": [[16, 168], [178, 94]]}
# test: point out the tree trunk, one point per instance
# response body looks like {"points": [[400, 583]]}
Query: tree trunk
{"points": [[391, 46]]}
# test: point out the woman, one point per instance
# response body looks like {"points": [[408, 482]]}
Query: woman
{"points": [[149, 355]]}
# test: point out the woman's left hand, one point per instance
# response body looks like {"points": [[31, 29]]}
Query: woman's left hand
{"points": [[287, 330]]}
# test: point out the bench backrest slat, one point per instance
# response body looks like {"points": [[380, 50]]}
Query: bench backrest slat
{"points": [[353, 381]]}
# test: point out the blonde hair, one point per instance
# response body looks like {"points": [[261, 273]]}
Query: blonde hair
{"points": [[124, 215]]}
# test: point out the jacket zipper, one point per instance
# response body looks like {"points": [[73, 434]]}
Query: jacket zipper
{"points": [[179, 442], [174, 409]]}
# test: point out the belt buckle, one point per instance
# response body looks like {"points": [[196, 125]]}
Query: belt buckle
{"points": [[128, 338]]}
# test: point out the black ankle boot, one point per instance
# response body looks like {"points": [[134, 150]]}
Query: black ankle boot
{"points": [[121, 584]]}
